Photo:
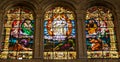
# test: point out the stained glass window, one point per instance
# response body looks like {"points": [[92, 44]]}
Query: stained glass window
{"points": [[59, 34], [100, 33], [18, 33]]}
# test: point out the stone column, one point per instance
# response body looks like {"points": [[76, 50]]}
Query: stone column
{"points": [[37, 35], [41, 35], [117, 25], [80, 27], [1, 26]]}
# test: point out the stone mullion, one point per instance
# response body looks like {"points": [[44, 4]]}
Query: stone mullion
{"points": [[1, 25], [41, 36], [83, 14], [80, 35], [37, 36], [117, 25]]}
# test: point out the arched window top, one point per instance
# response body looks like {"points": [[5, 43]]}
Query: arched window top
{"points": [[99, 12], [59, 10], [19, 10]]}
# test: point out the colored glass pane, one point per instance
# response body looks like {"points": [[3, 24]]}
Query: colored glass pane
{"points": [[59, 34], [100, 34], [18, 34]]}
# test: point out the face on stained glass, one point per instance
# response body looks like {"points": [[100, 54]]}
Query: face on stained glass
{"points": [[18, 34], [59, 33], [100, 36]]}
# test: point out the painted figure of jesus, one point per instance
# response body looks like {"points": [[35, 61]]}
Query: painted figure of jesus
{"points": [[58, 26]]}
